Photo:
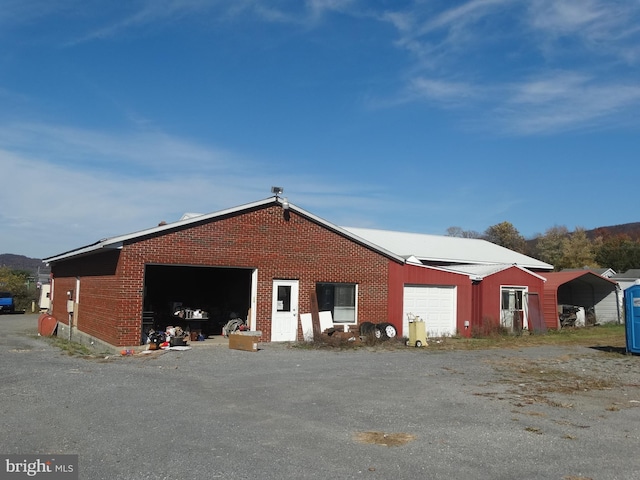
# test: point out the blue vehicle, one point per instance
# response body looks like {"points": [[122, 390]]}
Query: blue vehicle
{"points": [[6, 303]]}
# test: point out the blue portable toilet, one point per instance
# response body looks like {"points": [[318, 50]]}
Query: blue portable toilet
{"points": [[632, 317]]}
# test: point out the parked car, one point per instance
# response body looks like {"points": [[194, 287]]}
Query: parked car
{"points": [[7, 304]]}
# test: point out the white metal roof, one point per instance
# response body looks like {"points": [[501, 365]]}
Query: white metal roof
{"points": [[443, 249], [398, 246], [480, 271]]}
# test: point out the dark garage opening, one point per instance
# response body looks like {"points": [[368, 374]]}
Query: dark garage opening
{"points": [[223, 293]]}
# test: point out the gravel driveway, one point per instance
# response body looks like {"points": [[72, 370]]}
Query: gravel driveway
{"points": [[293, 413]]}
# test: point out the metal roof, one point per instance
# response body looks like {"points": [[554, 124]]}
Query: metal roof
{"points": [[452, 250], [603, 272], [555, 279], [632, 274], [478, 272], [397, 246]]}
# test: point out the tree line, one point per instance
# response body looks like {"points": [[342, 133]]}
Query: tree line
{"points": [[21, 284], [563, 248]]}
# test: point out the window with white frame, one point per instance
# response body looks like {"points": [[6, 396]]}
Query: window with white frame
{"points": [[339, 299]]}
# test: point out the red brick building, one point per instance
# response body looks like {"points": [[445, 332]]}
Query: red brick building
{"points": [[263, 262]]}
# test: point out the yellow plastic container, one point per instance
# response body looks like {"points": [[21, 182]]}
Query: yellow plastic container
{"points": [[417, 334]]}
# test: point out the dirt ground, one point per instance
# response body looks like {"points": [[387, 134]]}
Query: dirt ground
{"points": [[581, 381]]}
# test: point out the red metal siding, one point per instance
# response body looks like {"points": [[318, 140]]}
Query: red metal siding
{"points": [[550, 308], [490, 292], [296, 248], [401, 275]]}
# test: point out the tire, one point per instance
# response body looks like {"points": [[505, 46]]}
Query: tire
{"points": [[387, 331], [418, 343], [366, 328]]}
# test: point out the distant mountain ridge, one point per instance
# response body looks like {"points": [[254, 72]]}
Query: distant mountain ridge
{"points": [[21, 262], [632, 230], [35, 265]]}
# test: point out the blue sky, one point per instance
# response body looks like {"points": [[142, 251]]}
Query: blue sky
{"points": [[405, 115]]}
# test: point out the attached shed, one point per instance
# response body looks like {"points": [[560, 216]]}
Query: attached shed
{"points": [[467, 299], [460, 285], [508, 296], [598, 296]]}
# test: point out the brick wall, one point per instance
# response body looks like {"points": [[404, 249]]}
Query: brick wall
{"points": [[279, 246]]}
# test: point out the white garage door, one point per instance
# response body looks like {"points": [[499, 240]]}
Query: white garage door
{"points": [[436, 305]]}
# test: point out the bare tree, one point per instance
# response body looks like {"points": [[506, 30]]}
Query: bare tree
{"points": [[459, 232]]}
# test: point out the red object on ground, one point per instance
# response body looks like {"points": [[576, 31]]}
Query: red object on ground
{"points": [[47, 324]]}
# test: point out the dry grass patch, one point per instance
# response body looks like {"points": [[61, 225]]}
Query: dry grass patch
{"points": [[535, 382], [542, 380], [384, 439], [609, 337]]}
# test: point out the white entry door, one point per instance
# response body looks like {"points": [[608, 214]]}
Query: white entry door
{"points": [[284, 312], [514, 308]]}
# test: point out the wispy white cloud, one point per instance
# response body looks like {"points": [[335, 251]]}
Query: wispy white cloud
{"points": [[462, 15], [454, 47], [583, 61], [583, 17], [74, 195], [442, 91], [610, 28], [565, 100], [151, 13], [149, 152]]}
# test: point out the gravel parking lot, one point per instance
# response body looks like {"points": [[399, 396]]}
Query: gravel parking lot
{"points": [[566, 413]]}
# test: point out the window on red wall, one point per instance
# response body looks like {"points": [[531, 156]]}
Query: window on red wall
{"points": [[339, 299]]}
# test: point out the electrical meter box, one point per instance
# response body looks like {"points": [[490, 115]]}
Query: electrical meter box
{"points": [[632, 318]]}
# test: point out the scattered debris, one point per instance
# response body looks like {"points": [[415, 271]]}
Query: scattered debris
{"points": [[534, 430], [234, 325]]}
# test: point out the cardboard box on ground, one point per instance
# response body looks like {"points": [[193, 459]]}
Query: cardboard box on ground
{"points": [[240, 341]]}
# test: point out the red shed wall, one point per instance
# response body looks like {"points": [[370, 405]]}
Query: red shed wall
{"points": [[280, 248], [550, 307], [401, 275], [489, 287]]}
